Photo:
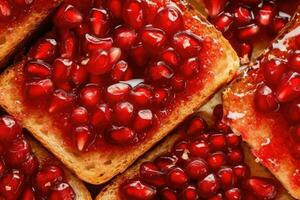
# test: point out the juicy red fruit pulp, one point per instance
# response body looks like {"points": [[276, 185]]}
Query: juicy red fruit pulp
{"points": [[110, 74], [22, 176], [206, 163], [247, 23]]}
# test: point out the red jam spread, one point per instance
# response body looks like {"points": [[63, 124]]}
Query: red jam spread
{"points": [[110, 73], [23, 176], [249, 24], [204, 163]]}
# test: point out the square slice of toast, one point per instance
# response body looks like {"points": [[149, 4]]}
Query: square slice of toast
{"points": [[97, 167], [13, 34], [266, 133]]}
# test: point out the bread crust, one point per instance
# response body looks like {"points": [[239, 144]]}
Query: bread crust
{"points": [[99, 167], [258, 130]]}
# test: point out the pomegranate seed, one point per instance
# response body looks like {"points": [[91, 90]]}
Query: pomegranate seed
{"points": [[190, 193], [233, 140], [47, 177], [82, 30], [117, 92], [288, 88], [150, 8], [233, 194], [11, 184], [222, 127], [30, 165], [18, 152], [291, 111], [99, 21], [45, 50], [101, 116], [60, 101], [170, 20], [216, 197], [5, 9], [214, 7], [216, 160], [242, 16], [273, 71], [245, 51], [295, 150], [79, 74], [139, 55], [295, 134], [150, 173], [9, 129], [278, 24], [123, 113], [170, 57], [28, 194], [121, 135], [90, 96], [2, 168], [133, 14], [153, 39], [61, 70], [159, 72], [143, 120], [235, 156], [199, 149], [164, 163], [247, 32], [197, 169], [115, 6], [178, 83], [79, 115], [208, 186], [82, 136], [68, 45], [218, 142], [168, 194], [177, 178], [265, 99], [68, 17], [124, 37], [190, 68], [161, 96], [294, 62], [187, 44], [297, 41], [98, 63], [121, 72], [227, 178], [141, 95], [196, 126], [62, 191], [241, 171], [262, 187], [223, 22], [265, 15], [39, 89], [180, 148], [37, 69], [139, 191], [92, 43]]}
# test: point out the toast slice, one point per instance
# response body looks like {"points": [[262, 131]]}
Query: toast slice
{"points": [[266, 133], [98, 167], [14, 32], [111, 191], [79, 188]]}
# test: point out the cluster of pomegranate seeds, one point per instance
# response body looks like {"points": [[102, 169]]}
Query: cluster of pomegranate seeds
{"points": [[22, 176], [279, 92], [109, 72], [248, 22], [206, 163]]}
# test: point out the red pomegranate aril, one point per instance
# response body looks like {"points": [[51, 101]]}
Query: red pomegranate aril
{"points": [[265, 99], [223, 22], [262, 187], [68, 45], [235, 156], [124, 37], [222, 127], [141, 95], [296, 133], [199, 149], [216, 197], [241, 171], [60, 101], [216, 160], [297, 41], [227, 177], [170, 57], [18, 151], [98, 63], [117, 92], [133, 14], [177, 178], [143, 120], [168, 194], [178, 83], [242, 16], [153, 39], [45, 50], [115, 7], [164, 163], [68, 17], [294, 62], [245, 51], [92, 43], [47, 177], [62, 191], [5, 9], [90, 96], [292, 112], [279, 23], [2, 168], [37, 69], [82, 136], [190, 68], [101, 116], [186, 44], [215, 7], [273, 71], [265, 15], [82, 30], [11, 184], [196, 126], [247, 32], [169, 19], [197, 169], [218, 142], [79, 74], [190, 193], [99, 21], [39, 89], [289, 88], [30, 165], [121, 72], [79, 115], [9, 129], [150, 173], [159, 72], [121, 135], [123, 113], [139, 55], [161, 96], [136, 190], [180, 147], [150, 9], [208, 186], [233, 194], [61, 70], [233, 140], [28, 194]]}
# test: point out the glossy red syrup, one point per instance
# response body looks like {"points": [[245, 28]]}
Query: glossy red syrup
{"points": [[204, 163], [23, 176], [111, 73]]}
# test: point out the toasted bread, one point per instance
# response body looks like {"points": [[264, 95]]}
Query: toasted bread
{"points": [[14, 34], [79, 188], [268, 140], [99, 167]]}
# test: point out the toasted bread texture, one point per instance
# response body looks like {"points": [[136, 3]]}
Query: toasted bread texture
{"points": [[98, 167], [79, 188], [266, 133], [12, 36]]}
